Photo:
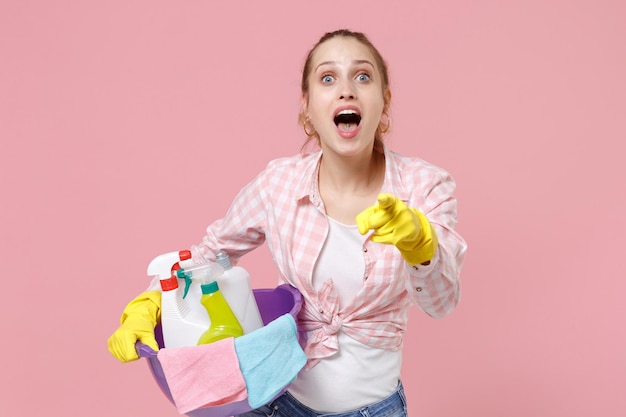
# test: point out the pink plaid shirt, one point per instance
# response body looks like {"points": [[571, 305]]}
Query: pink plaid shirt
{"points": [[282, 206]]}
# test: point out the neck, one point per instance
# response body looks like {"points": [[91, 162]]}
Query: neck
{"points": [[356, 175]]}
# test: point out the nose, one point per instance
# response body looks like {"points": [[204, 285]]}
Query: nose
{"points": [[346, 91]]}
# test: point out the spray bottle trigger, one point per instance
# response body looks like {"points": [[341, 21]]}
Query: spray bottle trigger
{"points": [[187, 277], [187, 285]]}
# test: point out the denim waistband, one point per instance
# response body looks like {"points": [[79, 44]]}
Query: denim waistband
{"points": [[286, 404]]}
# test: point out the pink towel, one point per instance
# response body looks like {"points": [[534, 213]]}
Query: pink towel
{"points": [[203, 376]]}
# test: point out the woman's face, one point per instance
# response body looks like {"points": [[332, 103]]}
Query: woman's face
{"points": [[346, 99]]}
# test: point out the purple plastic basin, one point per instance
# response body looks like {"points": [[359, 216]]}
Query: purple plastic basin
{"points": [[272, 303]]}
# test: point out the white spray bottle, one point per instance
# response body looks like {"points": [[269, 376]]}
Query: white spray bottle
{"points": [[180, 325], [236, 288]]}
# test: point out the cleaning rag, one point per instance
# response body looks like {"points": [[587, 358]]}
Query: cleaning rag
{"points": [[204, 375], [270, 359]]}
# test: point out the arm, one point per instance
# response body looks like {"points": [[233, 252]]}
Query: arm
{"points": [[240, 231], [433, 252], [435, 286], [243, 227]]}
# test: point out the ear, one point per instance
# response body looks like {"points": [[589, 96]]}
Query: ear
{"points": [[304, 101], [387, 99]]}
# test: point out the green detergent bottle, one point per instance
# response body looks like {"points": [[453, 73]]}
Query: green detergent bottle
{"points": [[223, 321]]}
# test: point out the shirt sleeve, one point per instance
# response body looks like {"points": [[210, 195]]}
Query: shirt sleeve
{"points": [[436, 287], [243, 227]]}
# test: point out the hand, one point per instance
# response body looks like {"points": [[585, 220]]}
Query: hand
{"points": [[404, 227], [137, 324]]}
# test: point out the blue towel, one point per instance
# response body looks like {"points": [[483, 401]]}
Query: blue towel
{"points": [[270, 359]]}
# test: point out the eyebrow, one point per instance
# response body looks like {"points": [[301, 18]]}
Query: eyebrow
{"points": [[357, 61]]}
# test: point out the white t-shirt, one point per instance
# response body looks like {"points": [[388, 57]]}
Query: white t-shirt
{"points": [[357, 375]]}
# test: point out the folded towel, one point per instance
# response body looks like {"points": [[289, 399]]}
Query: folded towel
{"points": [[270, 359], [203, 376]]}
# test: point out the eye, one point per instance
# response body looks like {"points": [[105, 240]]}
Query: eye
{"points": [[363, 77], [327, 79]]}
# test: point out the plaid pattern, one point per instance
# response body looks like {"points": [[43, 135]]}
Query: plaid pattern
{"points": [[282, 206]]}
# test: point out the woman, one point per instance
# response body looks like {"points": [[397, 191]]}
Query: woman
{"points": [[361, 231]]}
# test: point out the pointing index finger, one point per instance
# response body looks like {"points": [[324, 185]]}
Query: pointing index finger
{"points": [[386, 201]]}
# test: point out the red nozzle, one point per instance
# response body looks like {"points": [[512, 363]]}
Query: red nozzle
{"points": [[169, 284], [183, 255]]}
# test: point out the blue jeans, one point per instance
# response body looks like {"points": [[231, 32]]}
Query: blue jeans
{"points": [[287, 406]]}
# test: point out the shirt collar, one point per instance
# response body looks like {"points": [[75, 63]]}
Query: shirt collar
{"points": [[308, 186], [393, 177]]}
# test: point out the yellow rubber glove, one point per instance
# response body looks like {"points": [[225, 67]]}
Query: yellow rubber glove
{"points": [[396, 224], [138, 320]]}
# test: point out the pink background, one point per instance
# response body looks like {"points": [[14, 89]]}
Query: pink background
{"points": [[128, 126]]}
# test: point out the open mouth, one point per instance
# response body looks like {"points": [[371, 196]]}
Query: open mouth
{"points": [[347, 120]]}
